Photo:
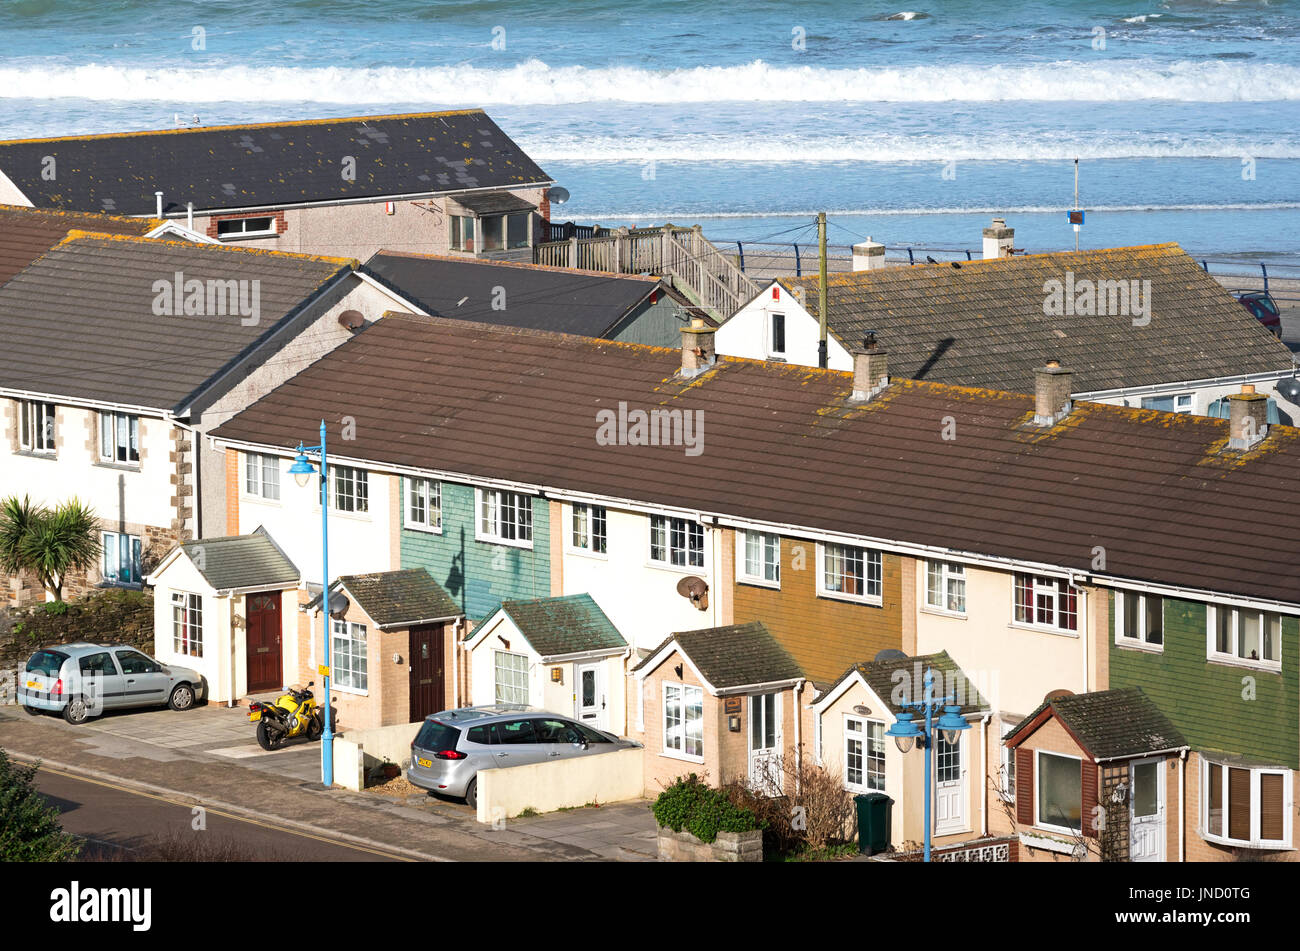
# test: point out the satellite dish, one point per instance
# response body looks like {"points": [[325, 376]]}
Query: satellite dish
{"points": [[1289, 389], [695, 590], [339, 605], [559, 195], [1058, 694], [352, 320], [890, 653]]}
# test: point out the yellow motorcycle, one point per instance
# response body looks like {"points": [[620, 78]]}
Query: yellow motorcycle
{"points": [[294, 714]]}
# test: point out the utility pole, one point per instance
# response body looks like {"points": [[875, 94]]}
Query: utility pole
{"points": [[821, 289], [1076, 201]]}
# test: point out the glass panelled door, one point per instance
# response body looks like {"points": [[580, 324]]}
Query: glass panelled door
{"points": [[949, 786], [765, 742], [590, 699], [1146, 814]]}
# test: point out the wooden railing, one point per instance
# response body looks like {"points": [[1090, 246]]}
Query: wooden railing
{"points": [[697, 268]]}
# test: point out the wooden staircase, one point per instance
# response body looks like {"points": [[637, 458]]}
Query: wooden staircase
{"points": [[696, 268]]}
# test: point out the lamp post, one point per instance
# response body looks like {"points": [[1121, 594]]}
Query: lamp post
{"points": [[907, 731], [302, 470]]}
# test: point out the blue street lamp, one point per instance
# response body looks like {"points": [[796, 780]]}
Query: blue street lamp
{"points": [[302, 470], [906, 731]]}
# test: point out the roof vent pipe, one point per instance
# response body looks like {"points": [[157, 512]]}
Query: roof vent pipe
{"points": [[189, 215], [158, 198]]}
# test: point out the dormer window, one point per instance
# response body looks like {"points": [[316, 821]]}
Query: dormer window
{"points": [[259, 227]]}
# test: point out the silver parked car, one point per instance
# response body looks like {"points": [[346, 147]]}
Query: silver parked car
{"points": [[452, 746], [83, 680]]}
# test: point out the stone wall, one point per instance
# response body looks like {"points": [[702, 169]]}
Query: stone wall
{"points": [[727, 847]]}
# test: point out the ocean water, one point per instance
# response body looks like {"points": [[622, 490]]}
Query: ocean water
{"points": [[913, 122]]}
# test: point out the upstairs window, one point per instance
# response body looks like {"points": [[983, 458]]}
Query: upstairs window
{"points": [[351, 489], [849, 573], [462, 233], [676, 541], [119, 438], [246, 227], [35, 426], [262, 475], [1046, 602], [424, 504], [1243, 636], [590, 531], [1177, 403], [760, 558], [505, 517], [777, 339], [1139, 618], [945, 586]]}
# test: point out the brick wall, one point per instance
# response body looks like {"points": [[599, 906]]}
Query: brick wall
{"points": [[234, 460]]}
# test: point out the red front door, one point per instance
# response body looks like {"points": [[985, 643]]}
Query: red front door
{"points": [[264, 666], [426, 652]]}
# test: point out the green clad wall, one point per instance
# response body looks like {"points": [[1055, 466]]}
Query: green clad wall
{"points": [[1218, 707], [479, 575]]}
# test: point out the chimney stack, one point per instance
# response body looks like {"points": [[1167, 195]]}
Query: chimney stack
{"points": [[1247, 417], [697, 348], [870, 368], [868, 255], [998, 240], [1051, 393]]}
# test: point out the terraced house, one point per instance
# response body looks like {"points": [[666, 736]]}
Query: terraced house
{"points": [[845, 518]]}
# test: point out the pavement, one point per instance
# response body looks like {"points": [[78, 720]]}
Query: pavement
{"points": [[208, 756]]}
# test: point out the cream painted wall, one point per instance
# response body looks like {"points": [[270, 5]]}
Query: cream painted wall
{"points": [[565, 783], [639, 597], [1012, 665]]}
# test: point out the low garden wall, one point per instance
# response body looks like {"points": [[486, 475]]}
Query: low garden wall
{"points": [[560, 784], [356, 752], [727, 847]]}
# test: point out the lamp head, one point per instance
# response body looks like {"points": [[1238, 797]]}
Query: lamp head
{"points": [[904, 731], [952, 723], [302, 469]]}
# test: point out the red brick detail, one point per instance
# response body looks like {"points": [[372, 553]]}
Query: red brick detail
{"points": [[232, 492], [544, 207], [1024, 787], [281, 226], [1090, 822]]}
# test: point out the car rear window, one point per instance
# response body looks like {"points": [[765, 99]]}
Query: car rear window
{"points": [[481, 734], [435, 736], [46, 662]]}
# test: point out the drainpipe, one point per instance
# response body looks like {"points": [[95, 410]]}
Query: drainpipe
{"points": [[1182, 804], [1083, 631], [233, 662], [984, 770], [455, 662], [798, 738]]}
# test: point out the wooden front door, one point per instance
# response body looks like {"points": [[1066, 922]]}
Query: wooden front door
{"points": [[264, 664], [426, 653]]}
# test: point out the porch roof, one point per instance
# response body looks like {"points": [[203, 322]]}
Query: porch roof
{"points": [[737, 655], [1107, 724], [398, 598], [235, 562], [572, 624], [881, 676]]}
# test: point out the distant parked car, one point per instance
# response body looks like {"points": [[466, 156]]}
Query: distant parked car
{"points": [[83, 680], [452, 746], [1264, 309]]}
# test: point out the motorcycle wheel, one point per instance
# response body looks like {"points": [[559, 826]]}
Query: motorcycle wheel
{"points": [[315, 727], [267, 738]]}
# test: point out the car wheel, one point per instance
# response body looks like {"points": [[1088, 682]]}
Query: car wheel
{"points": [[76, 711], [471, 793], [182, 697], [267, 738]]}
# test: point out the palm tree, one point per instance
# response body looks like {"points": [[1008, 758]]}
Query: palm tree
{"points": [[48, 542]]}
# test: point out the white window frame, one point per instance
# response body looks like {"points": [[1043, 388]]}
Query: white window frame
{"points": [[768, 544], [1212, 645], [664, 526], [950, 572], [191, 606], [1008, 768], [1038, 787], [36, 427], [110, 429], [343, 675], [582, 536], [1183, 402], [255, 484], [862, 736], [112, 542], [1038, 581], [1139, 638], [497, 668], [428, 492], [244, 231], [1255, 842], [489, 507], [770, 344], [359, 496], [870, 557], [679, 732]]}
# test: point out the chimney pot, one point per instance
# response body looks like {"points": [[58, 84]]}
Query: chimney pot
{"points": [[870, 368], [1247, 418], [998, 240], [868, 256], [1051, 393], [697, 348]]}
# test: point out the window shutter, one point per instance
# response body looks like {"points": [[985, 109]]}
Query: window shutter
{"points": [[1089, 817], [1239, 804], [1271, 820], [1024, 787]]}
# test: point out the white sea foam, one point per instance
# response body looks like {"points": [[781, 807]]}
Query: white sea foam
{"points": [[660, 214], [535, 82]]}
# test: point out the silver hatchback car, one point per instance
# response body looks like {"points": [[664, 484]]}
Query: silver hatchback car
{"points": [[452, 746], [83, 680]]}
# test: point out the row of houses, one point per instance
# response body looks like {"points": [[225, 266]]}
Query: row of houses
{"points": [[591, 499]]}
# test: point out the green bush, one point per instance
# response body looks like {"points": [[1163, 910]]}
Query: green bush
{"points": [[56, 608], [701, 810], [29, 825]]}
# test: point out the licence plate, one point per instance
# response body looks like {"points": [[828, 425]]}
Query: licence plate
{"points": [[426, 763], [34, 685], [255, 716]]}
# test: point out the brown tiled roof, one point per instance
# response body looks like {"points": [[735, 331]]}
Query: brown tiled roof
{"points": [[983, 324], [783, 444], [1108, 724], [27, 233], [737, 655], [395, 598]]}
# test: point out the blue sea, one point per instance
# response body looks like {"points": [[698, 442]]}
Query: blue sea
{"points": [[911, 123]]}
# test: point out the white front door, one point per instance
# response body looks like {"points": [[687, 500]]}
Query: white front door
{"points": [[949, 786], [590, 699], [765, 742], [1146, 811]]}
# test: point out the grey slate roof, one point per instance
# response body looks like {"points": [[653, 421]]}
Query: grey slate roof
{"points": [[564, 625], [80, 321], [1110, 724], [270, 164], [736, 655], [903, 678], [983, 324], [242, 561], [397, 598], [590, 303]]}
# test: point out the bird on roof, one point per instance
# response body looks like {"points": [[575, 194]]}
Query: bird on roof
{"points": [[930, 260], [956, 265]]}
